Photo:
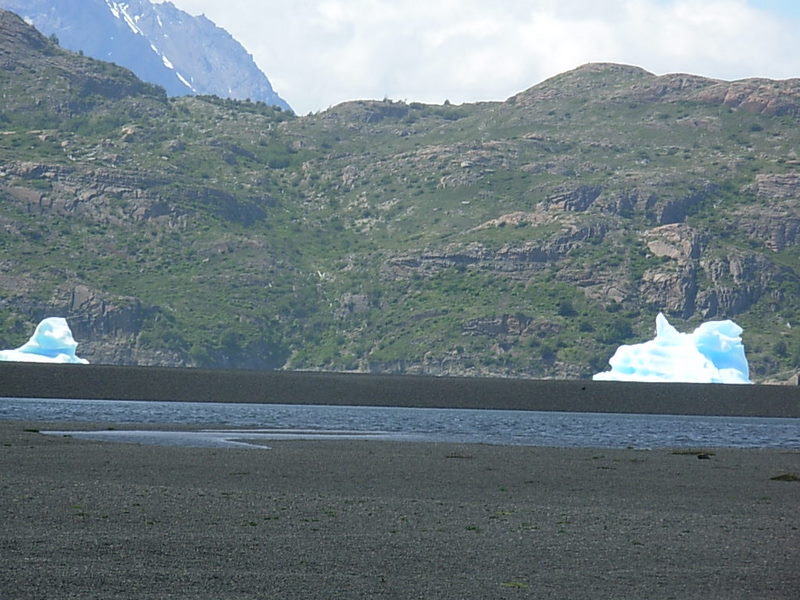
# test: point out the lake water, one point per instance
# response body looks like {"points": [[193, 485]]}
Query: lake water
{"points": [[254, 425]]}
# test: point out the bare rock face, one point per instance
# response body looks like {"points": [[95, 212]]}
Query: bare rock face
{"points": [[674, 290], [519, 260], [777, 186], [776, 226], [736, 282], [668, 209], [504, 327], [514, 219], [775, 221], [106, 326], [661, 206], [109, 316], [499, 325], [731, 282], [104, 196], [759, 96], [578, 199], [677, 241], [672, 85], [673, 286]]}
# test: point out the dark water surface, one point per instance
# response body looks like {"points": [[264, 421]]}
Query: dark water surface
{"points": [[255, 424]]}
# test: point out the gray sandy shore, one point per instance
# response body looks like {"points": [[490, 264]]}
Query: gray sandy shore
{"points": [[364, 519], [32, 380]]}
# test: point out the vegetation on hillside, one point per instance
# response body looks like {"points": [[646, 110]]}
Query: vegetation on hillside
{"points": [[522, 238]]}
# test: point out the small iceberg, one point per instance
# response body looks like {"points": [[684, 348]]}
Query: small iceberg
{"points": [[712, 353], [52, 342]]}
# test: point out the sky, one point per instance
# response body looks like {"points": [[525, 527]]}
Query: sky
{"points": [[318, 53]]}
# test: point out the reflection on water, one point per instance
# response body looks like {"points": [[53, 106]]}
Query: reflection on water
{"points": [[231, 438], [256, 424]]}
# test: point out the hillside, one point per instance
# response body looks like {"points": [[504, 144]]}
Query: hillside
{"points": [[162, 44], [521, 238]]}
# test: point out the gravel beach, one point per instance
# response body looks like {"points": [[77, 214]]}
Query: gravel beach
{"points": [[366, 519]]}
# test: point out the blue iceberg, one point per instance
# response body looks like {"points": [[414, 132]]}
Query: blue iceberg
{"points": [[52, 342], [712, 353]]}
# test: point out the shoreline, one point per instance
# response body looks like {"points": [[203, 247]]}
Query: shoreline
{"points": [[618, 432], [373, 519], [97, 382]]}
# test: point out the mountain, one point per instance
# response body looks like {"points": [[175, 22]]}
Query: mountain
{"points": [[160, 43], [524, 238]]}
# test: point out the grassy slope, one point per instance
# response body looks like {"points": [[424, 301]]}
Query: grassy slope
{"points": [[274, 235]]}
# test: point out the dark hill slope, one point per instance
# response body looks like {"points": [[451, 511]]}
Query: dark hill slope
{"points": [[523, 238], [162, 44], [43, 84]]}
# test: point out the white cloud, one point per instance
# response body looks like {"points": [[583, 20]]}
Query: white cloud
{"points": [[318, 53]]}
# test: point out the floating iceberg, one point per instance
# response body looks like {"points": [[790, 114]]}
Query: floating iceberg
{"points": [[712, 353], [52, 342]]}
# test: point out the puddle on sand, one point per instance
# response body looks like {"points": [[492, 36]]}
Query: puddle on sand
{"points": [[224, 438]]}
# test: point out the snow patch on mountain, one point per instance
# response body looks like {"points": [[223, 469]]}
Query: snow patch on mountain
{"points": [[120, 11]]}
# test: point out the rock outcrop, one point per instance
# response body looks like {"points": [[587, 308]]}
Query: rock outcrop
{"points": [[759, 96], [108, 326], [520, 260], [679, 242]]}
